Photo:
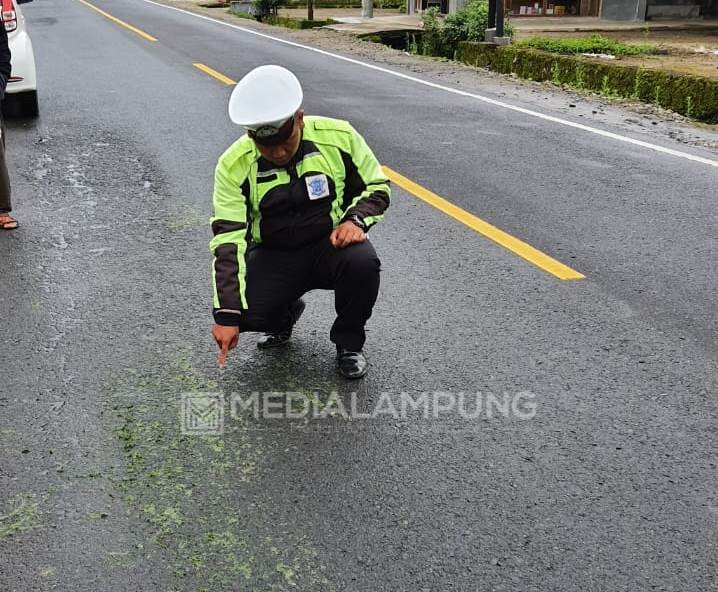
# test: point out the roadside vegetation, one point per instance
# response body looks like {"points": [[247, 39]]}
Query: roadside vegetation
{"points": [[562, 61], [441, 36], [398, 4], [593, 44], [643, 71], [267, 11], [293, 23], [693, 96]]}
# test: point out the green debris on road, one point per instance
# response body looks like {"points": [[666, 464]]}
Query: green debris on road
{"points": [[23, 516], [184, 489]]}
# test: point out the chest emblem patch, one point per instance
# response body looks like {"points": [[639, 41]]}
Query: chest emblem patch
{"points": [[317, 186]]}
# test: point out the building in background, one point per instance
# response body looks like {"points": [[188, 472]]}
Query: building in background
{"points": [[639, 10], [619, 10], [553, 7]]}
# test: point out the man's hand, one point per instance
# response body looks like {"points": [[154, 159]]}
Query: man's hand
{"points": [[227, 339], [347, 233]]}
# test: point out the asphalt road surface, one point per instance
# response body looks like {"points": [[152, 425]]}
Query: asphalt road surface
{"points": [[591, 465]]}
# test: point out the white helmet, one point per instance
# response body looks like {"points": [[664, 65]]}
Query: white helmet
{"points": [[265, 97]]}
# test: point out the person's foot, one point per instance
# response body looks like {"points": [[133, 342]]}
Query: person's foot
{"points": [[7, 222], [269, 340], [352, 364]]}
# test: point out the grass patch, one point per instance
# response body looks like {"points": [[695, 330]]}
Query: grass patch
{"points": [[290, 23], [22, 517], [243, 15], [345, 4], [593, 44]]}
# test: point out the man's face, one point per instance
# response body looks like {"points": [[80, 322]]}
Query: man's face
{"points": [[282, 153]]}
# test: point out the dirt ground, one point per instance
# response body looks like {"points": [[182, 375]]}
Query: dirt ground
{"points": [[690, 52]]}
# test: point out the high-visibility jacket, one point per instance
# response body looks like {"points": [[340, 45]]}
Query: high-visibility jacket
{"points": [[333, 176]]}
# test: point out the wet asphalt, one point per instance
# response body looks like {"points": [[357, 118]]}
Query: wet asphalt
{"points": [[610, 485]]}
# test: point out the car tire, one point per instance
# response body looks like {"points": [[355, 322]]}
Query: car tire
{"points": [[29, 106], [21, 105]]}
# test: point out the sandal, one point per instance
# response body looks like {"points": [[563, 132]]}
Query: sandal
{"points": [[7, 222]]}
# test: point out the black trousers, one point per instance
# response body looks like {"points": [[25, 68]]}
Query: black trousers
{"points": [[5, 203], [277, 277]]}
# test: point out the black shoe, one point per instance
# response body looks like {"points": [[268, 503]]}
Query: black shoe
{"points": [[269, 340], [352, 364]]}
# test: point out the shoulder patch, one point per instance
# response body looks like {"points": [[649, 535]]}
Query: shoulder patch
{"points": [[238, 149], [242, 150], [329, 124]]}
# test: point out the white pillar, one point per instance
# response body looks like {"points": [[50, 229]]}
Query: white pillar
{"points": [[367, 8]]}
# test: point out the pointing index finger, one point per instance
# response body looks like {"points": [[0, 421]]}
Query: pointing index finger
{"points": [[223, 355]]}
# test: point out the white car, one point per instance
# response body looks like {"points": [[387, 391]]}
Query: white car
{"points": [[21, 93]]}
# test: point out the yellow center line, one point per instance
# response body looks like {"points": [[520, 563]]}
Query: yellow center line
{"points": [[504, 239], [215, 74], [119, 22]]}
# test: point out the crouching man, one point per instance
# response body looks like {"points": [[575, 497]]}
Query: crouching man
{"points": [[293, 201]]}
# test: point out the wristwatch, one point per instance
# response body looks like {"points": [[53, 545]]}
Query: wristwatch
{"points": [[356, 219]]}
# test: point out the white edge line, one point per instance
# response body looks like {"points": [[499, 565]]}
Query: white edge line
{"points": [[551, 118]]}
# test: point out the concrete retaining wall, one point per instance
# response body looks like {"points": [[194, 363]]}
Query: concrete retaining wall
{"points": [[624, 10], [694, 96]]}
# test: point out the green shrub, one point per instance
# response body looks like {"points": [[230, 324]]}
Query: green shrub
{"points": [[606, 89], [432, 38], [468, 23], [442, 37], [580, 80], [267, 7], [639, 84], [658, 95], [593, 44], [411, 43]]}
